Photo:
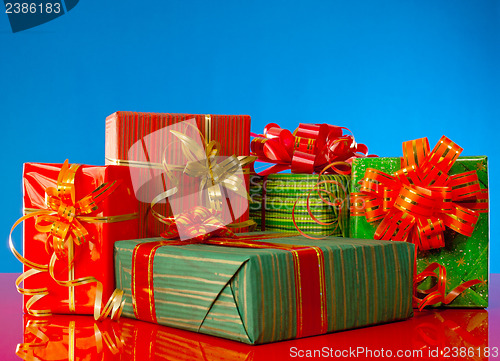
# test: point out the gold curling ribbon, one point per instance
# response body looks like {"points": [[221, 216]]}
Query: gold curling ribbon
{"points": [[26, 350], [62, 220]]}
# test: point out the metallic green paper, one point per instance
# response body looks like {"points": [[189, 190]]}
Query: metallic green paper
{"points": [[465, 258], [248, 295], [283, 190]]}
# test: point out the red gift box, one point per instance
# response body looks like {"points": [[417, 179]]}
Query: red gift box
{"points": [[111, 218], [139, 140]]}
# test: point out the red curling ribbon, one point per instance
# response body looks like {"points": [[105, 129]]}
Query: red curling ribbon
{"points": [[337, 202], [437, 293], [310, 149], [309, 269], [417, 203]]}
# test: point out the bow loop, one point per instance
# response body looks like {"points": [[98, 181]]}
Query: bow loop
{"points": [[66, 183], [414, 152], [437, 164], [464, 186], [430, 226], [461, 220], [410, 175]]}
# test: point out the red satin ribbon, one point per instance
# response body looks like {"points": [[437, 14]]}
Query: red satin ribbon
{"points": [[308, 150], [419, 201], [309, 273]]}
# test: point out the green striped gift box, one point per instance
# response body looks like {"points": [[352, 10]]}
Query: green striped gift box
{"points": [[248, 295], [283, 190]]}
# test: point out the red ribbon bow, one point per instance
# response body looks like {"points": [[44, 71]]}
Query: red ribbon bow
{"points": [[310, 149], [418, 201]]}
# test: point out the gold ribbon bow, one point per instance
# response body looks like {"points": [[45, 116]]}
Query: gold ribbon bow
{"points": [[215, 177], [62, 220]]}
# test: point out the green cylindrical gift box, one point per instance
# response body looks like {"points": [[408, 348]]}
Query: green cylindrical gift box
{"points": [[279, 192]]}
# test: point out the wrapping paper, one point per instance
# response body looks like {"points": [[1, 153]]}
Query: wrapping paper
{"points": [[249, 295], [140, 140], [92, 258], [465, 258], [284, 190]]}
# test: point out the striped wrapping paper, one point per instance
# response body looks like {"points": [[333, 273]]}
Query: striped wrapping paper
{"points": [[248, 295], [124, 130], [284, 189]]}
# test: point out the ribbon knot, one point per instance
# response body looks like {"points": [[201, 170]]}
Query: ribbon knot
{"points": [[196, 226]]}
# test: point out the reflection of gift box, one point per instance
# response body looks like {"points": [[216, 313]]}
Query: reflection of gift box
{"points": [[140, 139], [103, 211], [465, 258], [69, 338], [460, 329], [278, 193], [148, 341], [277, 289]]}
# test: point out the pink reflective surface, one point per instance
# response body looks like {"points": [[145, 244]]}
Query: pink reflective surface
{"points": [[470, 331]]}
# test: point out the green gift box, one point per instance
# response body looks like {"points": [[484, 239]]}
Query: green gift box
{"points": [[282, 190], [465, 258], [258, 296]]}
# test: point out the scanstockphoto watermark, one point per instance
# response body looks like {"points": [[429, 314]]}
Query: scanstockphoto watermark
{"points": [[452, 353], [335, 193], [24, 15], [353, 352]]}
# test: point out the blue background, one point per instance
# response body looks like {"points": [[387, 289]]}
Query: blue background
{"points": [[390, 70]]}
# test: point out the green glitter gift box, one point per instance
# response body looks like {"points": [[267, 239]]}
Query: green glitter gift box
{"points": [[282, 190], [264, 295], [465, 258]]}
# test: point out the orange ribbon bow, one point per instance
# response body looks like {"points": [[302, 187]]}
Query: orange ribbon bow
{"points": [[61, 220]]}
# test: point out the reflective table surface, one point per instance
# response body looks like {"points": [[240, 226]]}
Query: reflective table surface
{"points": [[439, 334]]}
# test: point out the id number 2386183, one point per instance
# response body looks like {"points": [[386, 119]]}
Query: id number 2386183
{"points": [[33, 8]]}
